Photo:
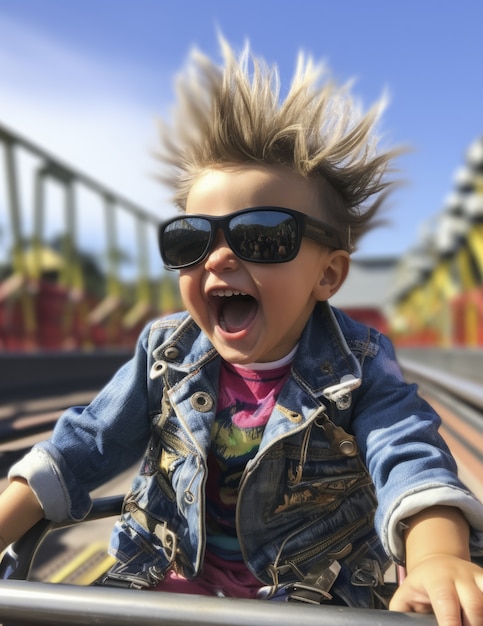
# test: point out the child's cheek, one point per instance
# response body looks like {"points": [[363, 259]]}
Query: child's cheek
{"points": [[190, 290]]}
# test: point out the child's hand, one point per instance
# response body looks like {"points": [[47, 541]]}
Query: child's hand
{"points": [[448, 586]]}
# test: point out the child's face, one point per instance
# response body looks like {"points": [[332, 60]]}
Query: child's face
{"points": [[266, 322]]}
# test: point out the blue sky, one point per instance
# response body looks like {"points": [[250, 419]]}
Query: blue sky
{"points": [[87, 79]]}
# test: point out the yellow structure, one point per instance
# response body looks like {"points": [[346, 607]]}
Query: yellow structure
{"points": [[442, 305], [59, 291]]}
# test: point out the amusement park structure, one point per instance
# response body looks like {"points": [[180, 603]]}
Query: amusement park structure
{"points": [[79, 268], [437, 299]]}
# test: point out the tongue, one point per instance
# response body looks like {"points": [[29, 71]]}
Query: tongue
{"points": [[237, 313]]}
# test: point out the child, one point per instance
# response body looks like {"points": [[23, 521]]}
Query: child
{"points": [[269, 421]]}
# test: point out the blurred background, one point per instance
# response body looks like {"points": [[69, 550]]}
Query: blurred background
{"points": [[82, 86]]}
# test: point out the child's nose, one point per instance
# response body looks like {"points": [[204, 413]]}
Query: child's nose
{"points": [[221, 257]]}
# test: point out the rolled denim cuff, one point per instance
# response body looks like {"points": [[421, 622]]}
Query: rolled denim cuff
{"points": [[40, 472], [414, 502]]}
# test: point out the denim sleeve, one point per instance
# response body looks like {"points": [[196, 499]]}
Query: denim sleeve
{"points": [[90, 445], [409, 462]]}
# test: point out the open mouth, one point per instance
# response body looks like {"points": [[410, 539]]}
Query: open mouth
{"points": [[235, 309]]}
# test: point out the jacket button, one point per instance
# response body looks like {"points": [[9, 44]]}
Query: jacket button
{"points": [[171, 353], [202, 401]]}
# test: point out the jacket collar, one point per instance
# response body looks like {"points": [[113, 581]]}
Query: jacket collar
{"points": [[324, 357], [322, 360]]}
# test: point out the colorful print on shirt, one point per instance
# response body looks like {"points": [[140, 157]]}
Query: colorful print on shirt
{"points": [[245, 403]]}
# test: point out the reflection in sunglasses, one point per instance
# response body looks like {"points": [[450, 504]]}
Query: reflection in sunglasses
{"points": [[260, 235]]}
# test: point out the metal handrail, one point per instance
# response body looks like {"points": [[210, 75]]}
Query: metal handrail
{"points": [[113, 304], [47, 603], [23, 601], [18, 558], [466, 390], [62, 170]]}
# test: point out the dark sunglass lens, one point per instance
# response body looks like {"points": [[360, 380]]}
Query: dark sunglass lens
{"points": [[184, 241], [265, 236]]}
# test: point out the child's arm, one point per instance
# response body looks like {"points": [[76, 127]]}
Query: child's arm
{"points": [[440, 575], [19, 511]]}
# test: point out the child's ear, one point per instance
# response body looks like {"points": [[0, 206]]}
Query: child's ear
{"points": [[332, 275]]}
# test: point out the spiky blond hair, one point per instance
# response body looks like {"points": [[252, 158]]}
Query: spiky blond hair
{"points": [[234, 115]]}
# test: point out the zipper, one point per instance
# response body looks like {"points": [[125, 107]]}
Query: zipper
{"points": [[306, 554], [323, 545], [254, 463], [249, 468]]}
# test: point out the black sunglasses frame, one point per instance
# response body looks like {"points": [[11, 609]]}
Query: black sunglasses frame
{"points": [[306, 227]]}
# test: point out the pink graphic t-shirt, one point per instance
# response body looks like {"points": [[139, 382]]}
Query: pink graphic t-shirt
{"points": [[246, 399]]}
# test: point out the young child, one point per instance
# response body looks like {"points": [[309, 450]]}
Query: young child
{"points": [[283, 454]]}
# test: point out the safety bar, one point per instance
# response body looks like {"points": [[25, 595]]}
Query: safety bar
{"points": [[47, 603], [17, 560]]}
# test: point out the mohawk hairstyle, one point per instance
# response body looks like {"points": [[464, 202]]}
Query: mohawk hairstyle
{"points": [[233, 115]]}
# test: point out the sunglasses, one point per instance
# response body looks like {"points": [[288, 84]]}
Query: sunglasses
{"points": [[259, 235]]}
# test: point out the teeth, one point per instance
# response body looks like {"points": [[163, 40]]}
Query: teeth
{"points": [[227, 293]]}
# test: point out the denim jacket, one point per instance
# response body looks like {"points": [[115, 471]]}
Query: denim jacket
{"points": [[350, 451]]}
